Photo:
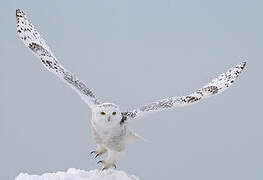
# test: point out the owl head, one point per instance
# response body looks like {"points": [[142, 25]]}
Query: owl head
{"points": [[106, 113]]}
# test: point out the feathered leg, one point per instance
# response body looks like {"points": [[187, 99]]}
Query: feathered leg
{"points": [[100, 151], [112, 158]]}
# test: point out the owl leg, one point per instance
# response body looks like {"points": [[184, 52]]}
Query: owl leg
{"points": [[112, 158], [100, 151]]}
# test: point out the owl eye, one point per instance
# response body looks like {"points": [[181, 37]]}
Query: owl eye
{"points": [[102, 113], [114, 113]]}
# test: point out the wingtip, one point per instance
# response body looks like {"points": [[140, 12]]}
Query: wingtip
{"points": [[19, 13], [243, 64]]}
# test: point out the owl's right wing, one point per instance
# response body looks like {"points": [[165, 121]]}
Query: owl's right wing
{"points": [[32, 39], [216, 86]]}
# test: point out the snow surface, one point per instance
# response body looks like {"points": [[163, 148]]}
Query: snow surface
{"points": [[76, 174]]}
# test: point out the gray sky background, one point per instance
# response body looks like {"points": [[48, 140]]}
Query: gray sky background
{"points": [[131, 53]]}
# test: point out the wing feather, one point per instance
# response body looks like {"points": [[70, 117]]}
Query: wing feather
{"points": [[216, 86], [32, 39]]}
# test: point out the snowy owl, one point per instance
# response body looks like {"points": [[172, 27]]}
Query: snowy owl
{"points": [[109, 123]]}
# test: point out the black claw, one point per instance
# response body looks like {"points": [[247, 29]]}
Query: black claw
{"points": [[99, 162], [92, 152], [97, 155], [103, 169]]}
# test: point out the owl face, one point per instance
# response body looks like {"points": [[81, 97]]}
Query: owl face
{"points": [[107, 113]]}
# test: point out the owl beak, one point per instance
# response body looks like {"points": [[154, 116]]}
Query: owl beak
{"points": [[109, 119]]}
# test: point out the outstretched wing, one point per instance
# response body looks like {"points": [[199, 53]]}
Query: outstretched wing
{"points": [[32, 39], [216, 86]]}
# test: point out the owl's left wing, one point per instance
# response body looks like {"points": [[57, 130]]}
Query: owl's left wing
{"points": [[32, 39], [216, 86]]}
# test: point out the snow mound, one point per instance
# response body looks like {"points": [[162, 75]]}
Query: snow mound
{"points": [[76, 174]]}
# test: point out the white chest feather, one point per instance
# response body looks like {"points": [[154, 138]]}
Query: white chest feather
{"points": [[108, 131]]}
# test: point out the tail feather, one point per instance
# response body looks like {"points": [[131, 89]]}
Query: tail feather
{"points": [[133, 137]]}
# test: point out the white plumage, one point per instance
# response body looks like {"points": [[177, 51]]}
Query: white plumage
{"points": [[108, 123]]}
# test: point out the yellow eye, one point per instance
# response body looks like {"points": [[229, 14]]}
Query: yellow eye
{"points": [[114, 113], [102, 113]]}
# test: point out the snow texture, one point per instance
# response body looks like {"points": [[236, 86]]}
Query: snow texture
{"points": [[76, 174]]}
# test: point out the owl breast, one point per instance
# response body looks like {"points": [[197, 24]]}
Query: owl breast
{"points": [[111, 137]]}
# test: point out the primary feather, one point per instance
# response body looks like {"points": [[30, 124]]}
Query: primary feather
{"points": [[32, 39], [216, 86]]}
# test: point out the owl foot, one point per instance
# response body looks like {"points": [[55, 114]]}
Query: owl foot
{"points": [[100, 151], [107, 165], [97, 153]]}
